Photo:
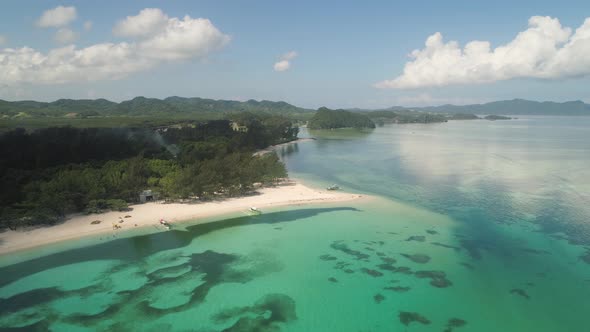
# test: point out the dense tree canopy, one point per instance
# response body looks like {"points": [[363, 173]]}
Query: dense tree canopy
{"points": [[406, 117], [51, 172], [331, 119]]}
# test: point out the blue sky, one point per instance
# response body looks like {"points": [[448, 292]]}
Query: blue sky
{"points": [[344, 48]]}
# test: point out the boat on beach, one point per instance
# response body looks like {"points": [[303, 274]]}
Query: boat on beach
{"points": [[165, 224], [333, 187]]}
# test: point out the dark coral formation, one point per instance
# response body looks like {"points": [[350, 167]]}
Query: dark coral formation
{"points": [[418, 238], [431, 231], [388, 260], [371, 272], [417, 258], [378, 298], [398, 289], [475, 247], [395, 269], [28, 299], [448, 246], [467, 265], [407, 318], [257, 318], [454, 323], [343, 266], [328, 257], [437, 278], [205, 270], [170, 272], [332, 279], [387, 267], [520, 292], [403, 270], [536, 251], [338, 245]]}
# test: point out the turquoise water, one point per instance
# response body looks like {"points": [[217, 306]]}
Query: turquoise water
{"points": [[477, 226]]}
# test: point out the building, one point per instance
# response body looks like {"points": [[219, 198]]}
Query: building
{"points": [[237, 127], [148, 196]]}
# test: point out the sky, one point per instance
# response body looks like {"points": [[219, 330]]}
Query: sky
{"points": [[339, 54]]}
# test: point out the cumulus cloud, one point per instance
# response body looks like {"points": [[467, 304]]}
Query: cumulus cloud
{"points": [[425, 99], [3, 40], [176, 40], [57, 17], [146, 23], [284, 62], [65, 36], [282, 65], [88, 25], [546, 50]]}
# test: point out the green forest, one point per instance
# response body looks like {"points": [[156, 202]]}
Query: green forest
{"points": [[326, 118], [382, 117], [48, 173], [137, 112]]}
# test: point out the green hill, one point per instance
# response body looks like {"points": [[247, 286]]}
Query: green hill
{"points": [[142, 106], [326, 118], [511, 107]]}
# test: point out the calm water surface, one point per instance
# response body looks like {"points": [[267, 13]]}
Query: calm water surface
{"points": [[477, 226]]}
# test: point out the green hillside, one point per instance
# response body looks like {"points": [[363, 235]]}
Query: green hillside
{"points": [[326, 118]]}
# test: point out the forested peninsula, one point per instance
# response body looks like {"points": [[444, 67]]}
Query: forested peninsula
{"points": [[48, 173]]}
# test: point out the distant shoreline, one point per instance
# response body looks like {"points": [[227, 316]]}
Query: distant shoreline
{"points": [[290, 193]]}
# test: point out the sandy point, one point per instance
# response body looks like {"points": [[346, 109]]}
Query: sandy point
{"points": [[148, 215]]}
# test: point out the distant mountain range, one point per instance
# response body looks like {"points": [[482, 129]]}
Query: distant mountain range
{"points": [[179, 106], [140, 106], [508, 107]]}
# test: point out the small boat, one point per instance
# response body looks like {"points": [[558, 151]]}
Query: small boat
{"points": [[333, 187], [255, 210], [165, 224]]}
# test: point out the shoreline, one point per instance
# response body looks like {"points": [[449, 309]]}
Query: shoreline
{"points": [[273, 148], [291, 193]]}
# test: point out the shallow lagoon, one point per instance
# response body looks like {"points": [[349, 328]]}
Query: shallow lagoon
{"points": [[480, 226]]}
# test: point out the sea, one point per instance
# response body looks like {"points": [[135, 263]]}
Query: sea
{"points": [[466, 226]]}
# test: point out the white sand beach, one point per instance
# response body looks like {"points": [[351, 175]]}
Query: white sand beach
{"points": [[149, 214]]}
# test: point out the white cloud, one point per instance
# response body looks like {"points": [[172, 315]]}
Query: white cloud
{"points": [[146, 23], [65, 36], [3, 40], [282, 65], [177, 40], [285, 61], [57, 17], [289, 55], [425, 99], [87, 25], [546, 50], [183, 39]]}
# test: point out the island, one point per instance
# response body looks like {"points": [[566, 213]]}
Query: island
{"points": [[405, 116], [462, 116], [493, 117], [326, 118]]}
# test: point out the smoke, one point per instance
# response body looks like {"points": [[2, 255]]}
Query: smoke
{"points": [[151, 136]]}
